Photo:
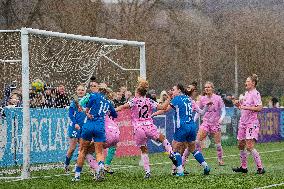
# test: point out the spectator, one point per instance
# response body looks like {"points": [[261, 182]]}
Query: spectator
{"points": [[36, 99], [228, 100], [15, 100], [7, 93], [128, 96], [194, 84], [61, 99], [49, 97], [152, 95], [123, 91], [273, 103], [118, 99], [163, 97]]}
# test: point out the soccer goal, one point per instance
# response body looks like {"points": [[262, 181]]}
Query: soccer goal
{"points": [[33, 136]]}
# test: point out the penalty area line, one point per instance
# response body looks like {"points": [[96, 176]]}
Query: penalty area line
{"points": [[270, 186]]}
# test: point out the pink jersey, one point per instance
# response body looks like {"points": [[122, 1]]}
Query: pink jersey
{"points": [[251, 98], [194, 105], [141, 110], [112, 132], [213, 114]]}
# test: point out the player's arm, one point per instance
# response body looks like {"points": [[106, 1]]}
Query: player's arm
{"points": [[258, 104], [160, 112], [204, 110], [83, 102], [122, 107], [163, 106], [72, 113], [112, 111], [88, 107], [256, 108]]}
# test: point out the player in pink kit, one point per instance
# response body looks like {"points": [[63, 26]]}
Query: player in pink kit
{"points": [[144, 128], [212, 119], [248, 131], [112, 133]]}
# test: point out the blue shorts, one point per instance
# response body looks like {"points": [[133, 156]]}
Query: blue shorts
{"points": [[72, 132], [94, 129], [185, 133]]}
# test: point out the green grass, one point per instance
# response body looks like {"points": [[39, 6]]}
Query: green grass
{"points": [[220, 177]]}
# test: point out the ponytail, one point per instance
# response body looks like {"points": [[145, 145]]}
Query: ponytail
{"points": [[254, 78]]}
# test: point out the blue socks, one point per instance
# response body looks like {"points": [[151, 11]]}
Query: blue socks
{"points": [[78, 172], [179, 162], [67, 160], [199, 157]]}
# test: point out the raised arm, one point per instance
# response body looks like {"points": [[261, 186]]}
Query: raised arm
{"points": [[122, 107], [159, 112]]}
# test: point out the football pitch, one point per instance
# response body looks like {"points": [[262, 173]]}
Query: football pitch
{"points": [[128, 173]]}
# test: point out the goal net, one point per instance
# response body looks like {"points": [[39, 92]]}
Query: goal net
{"points": [[35, 66]]}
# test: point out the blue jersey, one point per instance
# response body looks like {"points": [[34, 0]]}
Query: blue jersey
{"points": [[75, 115], [99, 106], [183, 109]]}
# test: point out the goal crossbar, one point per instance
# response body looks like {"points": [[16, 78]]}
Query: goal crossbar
{"points": [[25, 62]]}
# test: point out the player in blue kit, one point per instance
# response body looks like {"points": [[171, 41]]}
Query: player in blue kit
{"points": [[77, 117], [185, 129], [94, 129]]}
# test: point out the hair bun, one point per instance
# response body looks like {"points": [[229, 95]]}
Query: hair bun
{"points": [[255, 77], [143, 83]]}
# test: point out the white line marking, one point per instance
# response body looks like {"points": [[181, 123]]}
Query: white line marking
{"points": [[270, 186], [124, 167], [131, 166]]}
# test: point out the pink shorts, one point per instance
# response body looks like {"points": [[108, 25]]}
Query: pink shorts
{"points": [[210, 128], [145, 132], [112, 133], [248, 131]]}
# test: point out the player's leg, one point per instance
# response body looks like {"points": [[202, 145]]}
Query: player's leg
{"points": [[146, 162], [112, 138], [191, 138], [243, 157], [72, 146], [100, 159], [140, 138], [86, 138], [99, 141], [201, 135], [199, 157], [93, 164], [250, 143], [153, 133], [179, 145], [243, 152], [178, 149], [110, 155], [165, 142], [81, 158], [219, 149]]}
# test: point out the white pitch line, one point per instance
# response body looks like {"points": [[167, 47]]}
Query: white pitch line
{"points": [[131, 166], [265, 152], [270, 186]]}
